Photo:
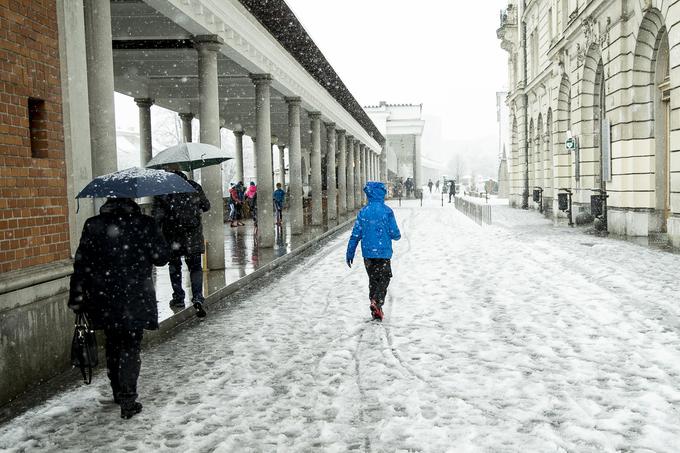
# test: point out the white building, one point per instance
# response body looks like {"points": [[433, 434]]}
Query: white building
{"points": [[402, 127], [602, 72]]}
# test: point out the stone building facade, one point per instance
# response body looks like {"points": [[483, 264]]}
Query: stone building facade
{"points": [[606, 73]]}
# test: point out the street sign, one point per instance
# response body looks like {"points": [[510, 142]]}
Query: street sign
{"points": [[571, 144]]}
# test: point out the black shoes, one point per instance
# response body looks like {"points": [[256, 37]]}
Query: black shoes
{"points": [[200, 311], [177, 302], [129, 410]]}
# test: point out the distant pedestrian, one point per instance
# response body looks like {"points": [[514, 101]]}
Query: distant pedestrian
{"points": [[408, 185], [430, 184], [452, 189], [436, 186], [234, 203], [241, 193], [250, 198], [179, 216], [279, 198], [112, 284], [376, 228]]}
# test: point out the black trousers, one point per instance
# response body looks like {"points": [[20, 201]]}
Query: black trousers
{"points": [[123, 362], [195, 275], [379, 272]]}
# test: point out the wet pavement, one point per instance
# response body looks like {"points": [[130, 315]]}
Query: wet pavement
{"points": [[242, 257]]}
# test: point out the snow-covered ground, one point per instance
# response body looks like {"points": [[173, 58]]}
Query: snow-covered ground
{"points": [[516, 337]]}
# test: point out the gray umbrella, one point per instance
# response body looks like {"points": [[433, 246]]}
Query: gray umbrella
{"points": [[189, 156]]}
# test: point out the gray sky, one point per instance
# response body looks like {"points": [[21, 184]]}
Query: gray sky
{"points": [[441, 53]]}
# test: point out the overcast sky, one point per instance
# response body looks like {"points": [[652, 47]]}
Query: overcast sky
{"points": [[441, 53]]}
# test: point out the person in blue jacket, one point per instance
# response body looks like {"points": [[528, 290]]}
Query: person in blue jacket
{"points": [[279, 198], [376, 228]]}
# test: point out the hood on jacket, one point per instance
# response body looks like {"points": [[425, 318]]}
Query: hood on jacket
{"points": [[120, 206], [375, 191]]}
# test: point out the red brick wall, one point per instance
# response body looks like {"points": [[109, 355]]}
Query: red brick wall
{"points": [[33, 204]]}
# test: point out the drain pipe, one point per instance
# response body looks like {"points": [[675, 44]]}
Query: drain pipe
{"points": [[525, 193]]}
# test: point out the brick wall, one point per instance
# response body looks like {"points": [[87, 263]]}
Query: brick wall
{"points": [[33, 204]]}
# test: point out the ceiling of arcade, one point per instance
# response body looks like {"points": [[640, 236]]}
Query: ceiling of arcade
{"points": [[153, 57]]}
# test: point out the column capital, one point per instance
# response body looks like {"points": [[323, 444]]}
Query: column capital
{"points": [[330, 125], [350, 138], [314, 115], [144, 102], [208, 42], [341, 131], [186, 116], [238, 133], [261, 79], [293, 100]]}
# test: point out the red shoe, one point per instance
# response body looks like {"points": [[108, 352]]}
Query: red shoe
{"points": [[376, 311]]}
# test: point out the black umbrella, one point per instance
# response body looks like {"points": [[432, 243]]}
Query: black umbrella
{"points": [[135, 182]]}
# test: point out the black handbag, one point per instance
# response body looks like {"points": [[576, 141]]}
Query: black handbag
{"points": [[84, 348]]}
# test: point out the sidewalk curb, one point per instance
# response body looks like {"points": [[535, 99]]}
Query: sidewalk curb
{"points": [[172, 325]]}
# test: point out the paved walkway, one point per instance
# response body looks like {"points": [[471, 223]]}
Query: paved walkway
{"points": [[516, 337], [242, 256]]}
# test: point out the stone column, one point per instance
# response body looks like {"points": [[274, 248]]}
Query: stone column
{"points": [[282, 166], [145, 141], [418, 164], [317, 195], [383, 164], [295, 165], [100, 86], [271, 162], [263, 159], [350, 173], [332, 191], [186, 119], [357, 174], [239, 155], [342, 172], [364, 171], [211, 177]]}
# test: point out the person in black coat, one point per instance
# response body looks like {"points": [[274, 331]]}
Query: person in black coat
{"points": [[112, 284], [179, 216], [452, 189]]}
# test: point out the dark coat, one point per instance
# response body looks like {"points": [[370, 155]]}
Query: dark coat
{"points": [[452, 188], [179, 216], [112, 279]]}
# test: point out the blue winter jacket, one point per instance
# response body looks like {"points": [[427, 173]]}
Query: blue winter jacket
{"points": [[375, 226]]}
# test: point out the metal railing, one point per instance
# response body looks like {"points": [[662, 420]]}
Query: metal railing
{"points": [[480, 213]]}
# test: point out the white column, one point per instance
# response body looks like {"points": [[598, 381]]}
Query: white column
{"points": [[357, 174], [186, 119], [271, 162], [263, 160], [239, 156], [211, 177], [282, 166], [418, 164], [383, 163], [145, 141], [350, 173], [332, 191], [342, 172], [317, 195], [100, 86], [364, 164], [76, 112], [295, 165]]}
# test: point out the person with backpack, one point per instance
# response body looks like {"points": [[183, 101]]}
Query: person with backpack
{"points": [[279, 198], [430, 184], [179, 216], [112, 284], [376, 228]]}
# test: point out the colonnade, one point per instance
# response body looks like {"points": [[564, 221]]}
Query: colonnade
{"points": [[349, 162]]}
